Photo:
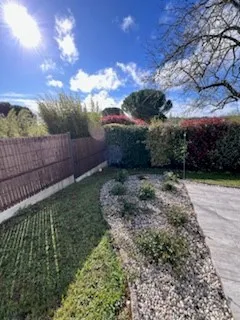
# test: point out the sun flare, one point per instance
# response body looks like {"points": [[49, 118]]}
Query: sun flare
{"points": [[23, 26]]}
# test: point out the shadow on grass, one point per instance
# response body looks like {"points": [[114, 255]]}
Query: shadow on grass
{"points": [[45, 245]]}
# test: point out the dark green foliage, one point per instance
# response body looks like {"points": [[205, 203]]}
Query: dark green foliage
{"points": [[176, 216], [164, 246], [166, 144], [6, 107], [128, 208], [210, 145], [168, 186], [146, 192], [126, 146], [121, 176], [112, 111], [118, 189], [170, 176], [146, 104]]}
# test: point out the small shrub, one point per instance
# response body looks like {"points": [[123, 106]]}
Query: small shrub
{"points": [[121, 176], [141, 177], [168, 186], [163, 245], [170, 176], [146, 192], [118, 189], [128, 208], [176, 216]]}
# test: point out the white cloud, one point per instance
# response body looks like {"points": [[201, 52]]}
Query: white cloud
{"points": [[138, 75], [65, 38], [54, 83], [47, 65], [128, 23], [106, 79], [103, 99]]}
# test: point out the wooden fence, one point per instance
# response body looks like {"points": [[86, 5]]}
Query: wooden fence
{"points": [[29, 165], [87, 154]]}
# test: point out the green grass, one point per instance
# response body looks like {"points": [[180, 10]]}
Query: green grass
{"points": [[48, 250], [99, 286], [222, 179]]}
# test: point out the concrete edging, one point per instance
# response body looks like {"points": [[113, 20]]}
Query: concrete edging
{"points": [[92, 171], [6, 214]]}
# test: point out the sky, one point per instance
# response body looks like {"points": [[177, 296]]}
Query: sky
{"points": [[95, 49]]}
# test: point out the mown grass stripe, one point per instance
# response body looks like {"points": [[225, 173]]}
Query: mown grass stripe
{"points": [[54, 243]]}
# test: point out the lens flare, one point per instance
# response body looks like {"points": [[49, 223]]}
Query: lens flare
{"points": [[23, 26]]}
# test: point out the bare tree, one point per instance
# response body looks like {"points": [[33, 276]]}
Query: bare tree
{"points": [[199, 49]]}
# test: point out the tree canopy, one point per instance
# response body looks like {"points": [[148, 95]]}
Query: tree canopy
{"points": [[146, 104], [199, 49], [6, 107]]}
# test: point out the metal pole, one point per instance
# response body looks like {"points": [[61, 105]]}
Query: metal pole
{"points": [[184, 156]]}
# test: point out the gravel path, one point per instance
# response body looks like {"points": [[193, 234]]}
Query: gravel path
{"points": [[159, 293]]}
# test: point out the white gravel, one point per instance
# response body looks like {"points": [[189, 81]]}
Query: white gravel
{"points": [[159, 293]]}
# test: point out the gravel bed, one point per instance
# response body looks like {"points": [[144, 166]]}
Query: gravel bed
{"points": [[196, 293]]}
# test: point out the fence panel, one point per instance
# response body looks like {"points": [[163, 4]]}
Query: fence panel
{"points": [[87, 154], [29, 165]]}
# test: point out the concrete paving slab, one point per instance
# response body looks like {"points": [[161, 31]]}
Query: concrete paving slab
{"points": [[218, 213]]}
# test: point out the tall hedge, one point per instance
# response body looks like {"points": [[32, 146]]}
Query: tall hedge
{"points": [[126, 146], [210, 145]]}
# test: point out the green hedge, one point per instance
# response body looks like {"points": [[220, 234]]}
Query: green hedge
{"points": [[209, 146], [126, 146]]}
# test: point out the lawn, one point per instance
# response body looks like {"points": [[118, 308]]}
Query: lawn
{"points": [[57, 260], [221, 179]]}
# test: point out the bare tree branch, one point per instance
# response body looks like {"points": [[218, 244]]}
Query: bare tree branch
{"points": [[200, 50]]}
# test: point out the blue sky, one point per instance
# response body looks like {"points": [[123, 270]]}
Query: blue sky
{"points": [[94, 48]]}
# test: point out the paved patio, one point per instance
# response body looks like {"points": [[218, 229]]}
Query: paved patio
{"points": [[218, 212]]}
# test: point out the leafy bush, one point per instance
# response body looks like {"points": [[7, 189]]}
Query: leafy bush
{"points": [[146, 192], [64, 114], [168, 186], [211, 144], [128, 208], [202, 122], [176, 216], [21, 124], [120, 119], [141, 177], [121, 176], [166, 144], [118, 189], [164, 246], [126, 146], [170, 176]]}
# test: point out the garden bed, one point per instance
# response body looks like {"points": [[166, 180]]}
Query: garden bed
{"points": [[168, 264]]}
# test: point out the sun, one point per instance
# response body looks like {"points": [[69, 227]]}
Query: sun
{"points": [[23, 26]]}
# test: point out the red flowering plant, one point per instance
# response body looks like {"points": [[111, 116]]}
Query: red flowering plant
{"points": [[121, 119]]}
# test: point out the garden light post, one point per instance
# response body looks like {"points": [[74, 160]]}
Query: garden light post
{"points": [[184, 155]]}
